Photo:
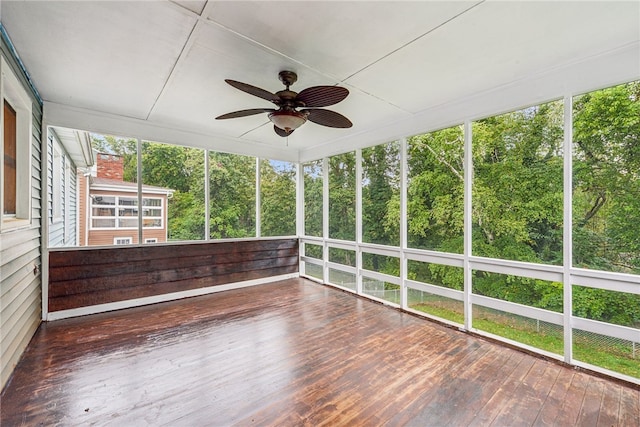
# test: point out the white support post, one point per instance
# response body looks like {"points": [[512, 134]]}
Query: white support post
{"points": [[404, 172], [258, 198], [300, 212], [207, 198], [139, 177], [44, 218], [325, 219], [359, 173], [567, 231], [468, 224]]}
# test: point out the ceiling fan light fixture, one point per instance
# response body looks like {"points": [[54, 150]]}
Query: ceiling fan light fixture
{"points": [[288, 120]]}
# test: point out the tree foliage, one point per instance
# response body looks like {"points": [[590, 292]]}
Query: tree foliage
{"points": [[380, 191], [232, 187], [312, 172], [278, 198], [342, 196], [517, 198]]}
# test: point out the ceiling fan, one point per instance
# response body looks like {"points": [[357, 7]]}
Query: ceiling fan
{"points": [[288, 117]]}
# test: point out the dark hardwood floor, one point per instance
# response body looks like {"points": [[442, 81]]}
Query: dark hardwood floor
{"points": [[293, 353]]}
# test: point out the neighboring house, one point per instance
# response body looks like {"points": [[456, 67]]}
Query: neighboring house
{"points": [[109, 206], [68, 151]]}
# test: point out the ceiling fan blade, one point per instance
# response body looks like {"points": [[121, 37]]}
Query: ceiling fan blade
{"points": [[255, 91], [328, 118], [244, 113], [282, 132], [321, 96]]}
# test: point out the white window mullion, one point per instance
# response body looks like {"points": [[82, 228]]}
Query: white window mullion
{"points": [[359, 221], [567, 231], [258, 199], [404, 303], [139, 174], [300, 213], [207, 218], [468, 226], [325, 219]]}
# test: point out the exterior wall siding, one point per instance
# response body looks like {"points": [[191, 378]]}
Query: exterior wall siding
{"points": [[20, 255], [71, 205], [62, 231], [83, 200]]}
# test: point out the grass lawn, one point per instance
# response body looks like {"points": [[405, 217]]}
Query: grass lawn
{"points": [[586, 347]]}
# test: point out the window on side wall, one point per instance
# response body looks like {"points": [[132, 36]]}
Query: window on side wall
{"points": [[122, 240], [15, 151]]}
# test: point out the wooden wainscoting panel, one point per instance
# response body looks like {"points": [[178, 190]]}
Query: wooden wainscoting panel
{"points": [[86, 277]]}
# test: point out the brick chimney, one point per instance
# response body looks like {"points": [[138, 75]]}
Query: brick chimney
{"points": [[109, 166]]}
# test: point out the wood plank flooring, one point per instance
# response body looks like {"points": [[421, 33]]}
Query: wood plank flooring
{"points": [[293, 353]]}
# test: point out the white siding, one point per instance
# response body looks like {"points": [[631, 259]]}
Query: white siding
{"points": [[62, 230], [20, 260]]}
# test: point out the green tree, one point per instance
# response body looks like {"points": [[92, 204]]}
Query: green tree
{"points": [[342, 197], [606, 208], [436, 190], [312, 176], [277, 198], [182, 170], [381, 184], [232, 195], [517, 185]]}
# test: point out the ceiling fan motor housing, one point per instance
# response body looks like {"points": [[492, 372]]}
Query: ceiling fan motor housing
{"points": [[288, 78]]}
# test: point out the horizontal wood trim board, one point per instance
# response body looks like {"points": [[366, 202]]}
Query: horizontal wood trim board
{"points": [[164, 274], [155, 270], [82, 272], [112, 255], [153, 289]]}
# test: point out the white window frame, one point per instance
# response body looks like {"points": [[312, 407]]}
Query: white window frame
{"points": [[12, 91], [117, 215], [121, 241]]}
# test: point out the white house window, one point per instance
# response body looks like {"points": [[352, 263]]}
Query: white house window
{"points": [[122, 240], [9, 160], [15, 151], [121, 212]]}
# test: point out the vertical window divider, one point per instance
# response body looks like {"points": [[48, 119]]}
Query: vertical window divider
{"points": [[358, 221], [403, 224], [258, 202], [139, 176], [207, 217], [44, 222], [567, 232], [300, 212], [325, 219], [468, 188]]}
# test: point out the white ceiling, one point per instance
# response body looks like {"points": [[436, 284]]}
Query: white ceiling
{"points": [[156, 69]]}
